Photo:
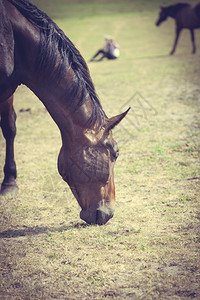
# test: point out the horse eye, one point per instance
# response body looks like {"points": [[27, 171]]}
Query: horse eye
{"points": [[114, 153]]}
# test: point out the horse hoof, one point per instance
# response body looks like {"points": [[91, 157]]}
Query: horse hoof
{"points": [[8, 190]]}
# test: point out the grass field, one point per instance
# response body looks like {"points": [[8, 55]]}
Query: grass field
{"points": [[150, 249]]}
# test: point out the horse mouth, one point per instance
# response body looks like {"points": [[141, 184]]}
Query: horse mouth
{"points": [[99, 216]]}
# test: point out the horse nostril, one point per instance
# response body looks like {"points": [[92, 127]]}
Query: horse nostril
{"points": [[88, 216], [96, 216], [102, 217]]}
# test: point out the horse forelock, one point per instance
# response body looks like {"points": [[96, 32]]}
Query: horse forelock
{"points": [[53, 44]]}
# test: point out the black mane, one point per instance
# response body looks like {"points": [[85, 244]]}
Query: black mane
{"points": [[54, 41]]}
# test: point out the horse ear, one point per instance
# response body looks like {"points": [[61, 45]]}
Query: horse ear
{"points": [[112, 122]]}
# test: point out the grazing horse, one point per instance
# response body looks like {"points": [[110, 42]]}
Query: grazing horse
{"points": [[186, 16], [35, 52]]}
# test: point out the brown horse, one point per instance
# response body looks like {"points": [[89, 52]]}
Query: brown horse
{"points": [[186, 16], [35, 52]]}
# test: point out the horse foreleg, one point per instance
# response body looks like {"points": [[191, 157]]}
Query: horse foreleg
{"points": [[178, 31], [8, 118], [193, 41]]}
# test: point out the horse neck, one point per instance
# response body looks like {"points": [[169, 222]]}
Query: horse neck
{"points": [[60, 97], [68, 102], [57, 100], [173, 10], [55, 95]]}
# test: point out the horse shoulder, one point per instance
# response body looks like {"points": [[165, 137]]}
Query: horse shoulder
{"points": [[26, 34], [6, 55], [6, 45], [187, 18]]}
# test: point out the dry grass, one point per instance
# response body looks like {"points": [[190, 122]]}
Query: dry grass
{"points": [[150, 249]]}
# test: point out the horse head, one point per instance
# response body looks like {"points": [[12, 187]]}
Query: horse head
{"points": [[88, 168], [162, 15]]}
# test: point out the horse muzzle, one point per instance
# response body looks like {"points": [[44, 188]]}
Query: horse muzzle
{"points": [[99, 216]]}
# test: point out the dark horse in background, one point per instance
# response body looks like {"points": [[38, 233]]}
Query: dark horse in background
{"points": [[35, 52], [186, 16]]}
